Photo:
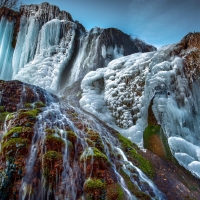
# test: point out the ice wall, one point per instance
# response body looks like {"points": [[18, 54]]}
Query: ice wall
{"points": [[120, 95], [44, 45], [6, 49], [52, 51]]}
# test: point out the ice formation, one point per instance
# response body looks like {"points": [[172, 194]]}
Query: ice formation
{"points": [[53, 51], [44, 45], [6, 49], [96, 48], [121, 93]]}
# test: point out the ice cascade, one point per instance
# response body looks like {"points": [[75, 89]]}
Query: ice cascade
{"points": [[6, 49], [121, 93]]}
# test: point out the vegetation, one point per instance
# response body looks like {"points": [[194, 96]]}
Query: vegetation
{"points": [[93, 152], [54, 143], [134, 189], [94, 187], [154, 140], [15, 146], [2, 109], [16, 130], [114, 191], [71, 136], [52, 166], [135, 157], [3, 116]]}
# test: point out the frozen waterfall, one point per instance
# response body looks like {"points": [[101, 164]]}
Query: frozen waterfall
{"points": [[120, 95], [52, 53], [6, 49]]}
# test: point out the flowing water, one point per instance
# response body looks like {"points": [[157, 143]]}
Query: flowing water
{"points": [[63, 118]]}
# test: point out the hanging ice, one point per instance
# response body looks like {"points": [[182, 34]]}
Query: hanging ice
{"points": [[53, 51], [6, 49], [121, 93]]}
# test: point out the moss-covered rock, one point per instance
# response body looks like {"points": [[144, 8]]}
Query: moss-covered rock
{"points": [[2, 109], [29, 113], [155, 140], [3, 116], [39, 104], [16, 146], [134, 189], [71, 136], [95, 188], [52, 166], [93, 153], [131, 152], [29, 105], [95, 137], [54, 143], [114, 191], [16, 130]]}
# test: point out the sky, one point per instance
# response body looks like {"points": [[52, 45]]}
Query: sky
{"points": [[157, 22]]}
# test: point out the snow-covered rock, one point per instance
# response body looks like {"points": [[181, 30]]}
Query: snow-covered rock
{"points": [[121, 93]]}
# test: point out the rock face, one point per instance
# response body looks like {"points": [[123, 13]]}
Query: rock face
{"points": [[166, 80], [58, 154], [189, 50], [56, 151], [97, 48], [50, 149], [14, 94], [57, 50]]}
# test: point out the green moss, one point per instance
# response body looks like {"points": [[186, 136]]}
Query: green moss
{"points": [[71, 136], [54, 143], [2, 109], [32, 113], [50, 131], [94, 185], [12, 131], [155, 140], [130, 149], [125, 143], [114, 191], [52, 164], [10, 116], [51, 156], [28, 105], [142, 163], [89, 142], [35, 105], [13, 144], [3, 116], [134, 188], [39, 104], [93, 152]]}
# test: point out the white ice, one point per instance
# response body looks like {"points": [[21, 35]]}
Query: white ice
{"points": [[6, 49], [120, 95], [53, 50]]}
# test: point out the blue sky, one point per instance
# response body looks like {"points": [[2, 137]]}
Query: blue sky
{"points": [[157, 22]]}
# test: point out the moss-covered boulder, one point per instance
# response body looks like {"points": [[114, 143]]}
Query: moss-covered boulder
{"points": [[54, 143], [114, 191], [52, 166], [155, 141], [94, 188], [15, 147]]}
